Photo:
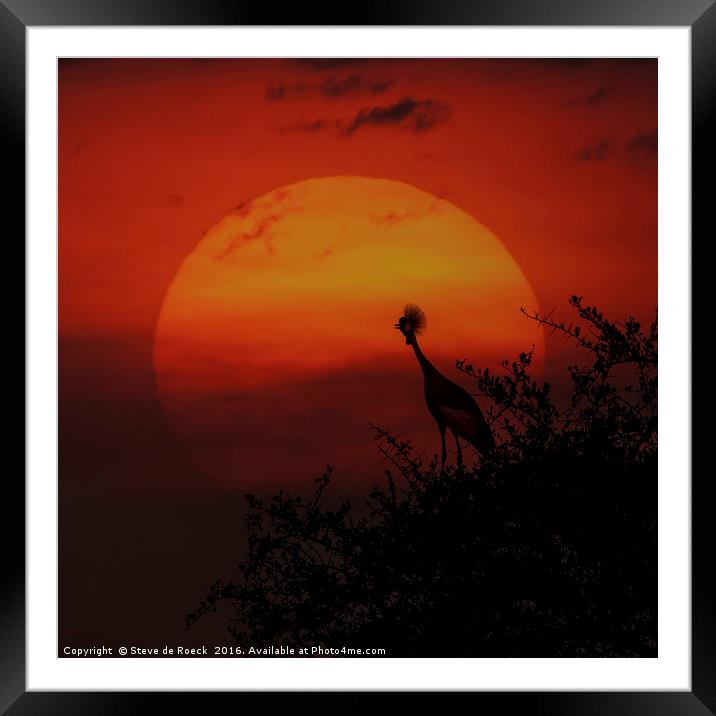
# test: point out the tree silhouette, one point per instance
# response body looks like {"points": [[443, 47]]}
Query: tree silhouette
{"points": [[546, 547]]}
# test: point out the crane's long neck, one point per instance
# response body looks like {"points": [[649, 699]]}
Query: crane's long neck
{"points": [[425, 365]]}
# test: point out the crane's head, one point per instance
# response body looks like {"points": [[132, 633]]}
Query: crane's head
{"points": [[412, 322]]}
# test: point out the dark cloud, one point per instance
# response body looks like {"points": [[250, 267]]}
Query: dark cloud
{"points": [[275, 92], [594, 151], [408, 112], [261, 229], [644, 145], [264, 224], [244, 208], [311, 414], [352, 84], [317, 125], [591, 100], [391, 218], [333, 87]]}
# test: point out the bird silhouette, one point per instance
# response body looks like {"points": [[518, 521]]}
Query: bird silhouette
{"points": [[450, 405]]}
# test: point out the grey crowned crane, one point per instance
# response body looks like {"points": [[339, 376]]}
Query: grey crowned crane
{"points": [[450, 405]]}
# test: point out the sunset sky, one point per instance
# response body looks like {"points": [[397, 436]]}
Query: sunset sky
{"points": [[547, 165]]}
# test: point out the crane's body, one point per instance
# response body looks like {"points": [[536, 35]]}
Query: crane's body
{"points": [[451, 406]]}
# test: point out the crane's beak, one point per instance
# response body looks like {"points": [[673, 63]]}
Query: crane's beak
{"points": [[397, 326]]}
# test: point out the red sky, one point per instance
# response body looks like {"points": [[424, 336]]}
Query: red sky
{"points": [[556, 158]]}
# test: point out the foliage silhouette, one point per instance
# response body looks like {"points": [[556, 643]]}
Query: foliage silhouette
{"points": [[547, 547]]}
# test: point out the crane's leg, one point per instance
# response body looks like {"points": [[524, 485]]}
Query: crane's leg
{"points": [[444, 455], [459, 452]]}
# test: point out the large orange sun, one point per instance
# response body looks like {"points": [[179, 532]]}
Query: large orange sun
{"points": [[275, 345]]}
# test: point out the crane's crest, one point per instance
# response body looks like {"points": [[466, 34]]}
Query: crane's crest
{"points": [[416, 318]]}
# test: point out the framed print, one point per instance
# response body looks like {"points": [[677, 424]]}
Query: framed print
{"points": [[343, 367]]}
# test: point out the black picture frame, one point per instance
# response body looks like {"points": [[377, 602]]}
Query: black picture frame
{"points": [[699, 15]]}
